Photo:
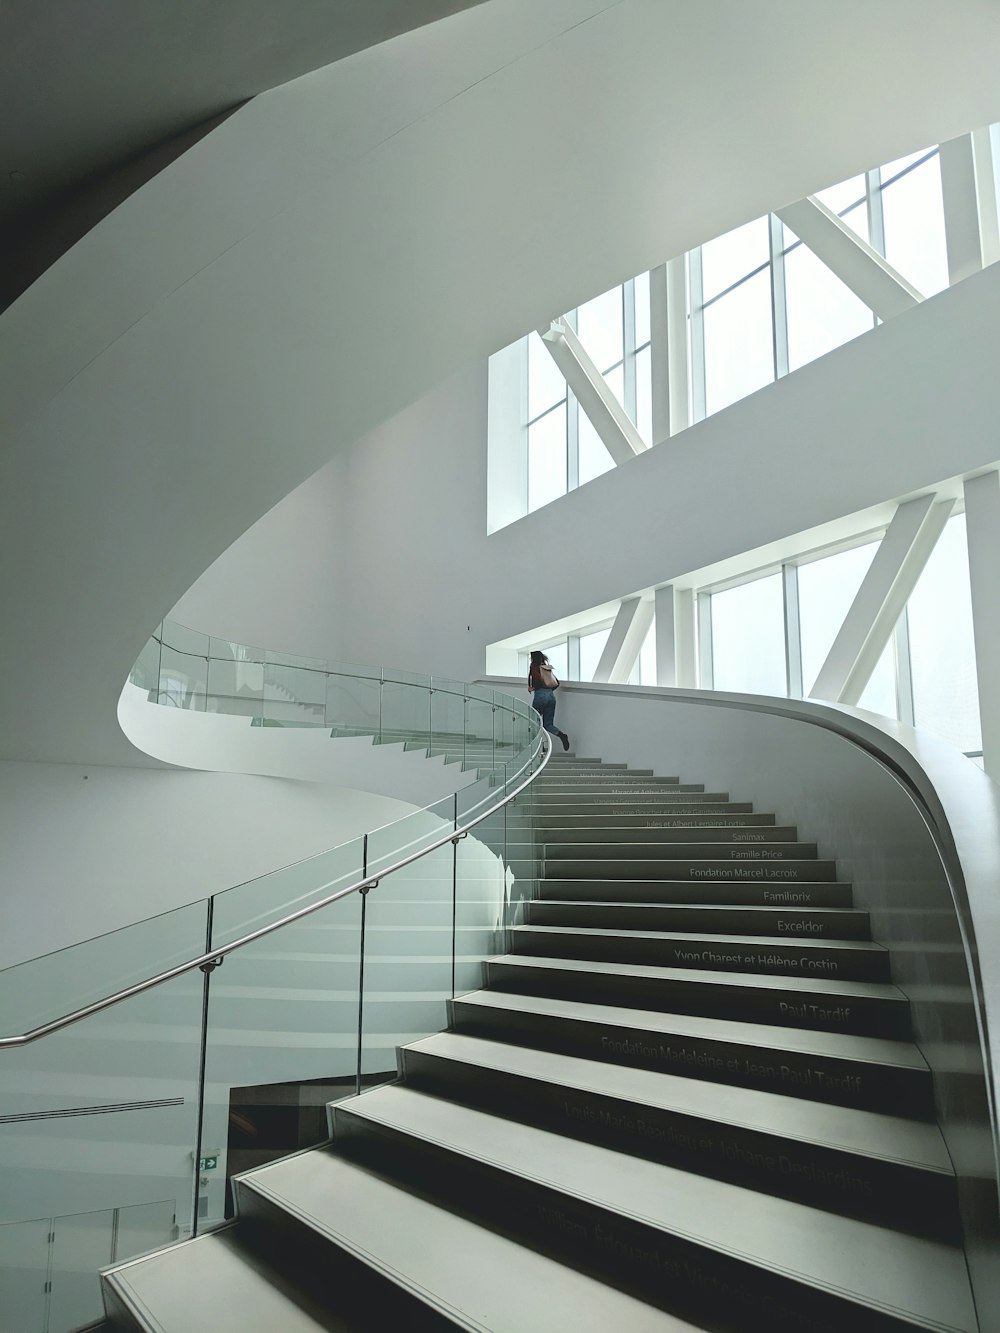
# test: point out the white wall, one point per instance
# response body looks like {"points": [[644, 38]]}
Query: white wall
{"points": [[88, 849], [342, 244], [423, 587]]}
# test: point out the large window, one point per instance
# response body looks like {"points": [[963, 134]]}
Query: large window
{"points": [[748, 640], [760, 305]]}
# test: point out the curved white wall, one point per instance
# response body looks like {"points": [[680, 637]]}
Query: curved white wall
{"points": [[344, 243]]}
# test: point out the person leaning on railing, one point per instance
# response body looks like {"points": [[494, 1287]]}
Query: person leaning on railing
{"points": [[542, 686]]}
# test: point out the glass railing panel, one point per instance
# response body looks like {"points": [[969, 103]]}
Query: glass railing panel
{"points": [[409, 836], [405, 711], [183, 678], [480, 748], [448, 709], [146, 672], [353, 704], [481, 890], [48, 987], [235, 686], [261, 902], [408, 960], [97, 1150], [294, 696], [282, 1042]]}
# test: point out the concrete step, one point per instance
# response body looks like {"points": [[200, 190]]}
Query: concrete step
{"points": [[721, 892], [864, 1008], [759, 955], [342, 1257], [730, 1253], [870, 1073], [881, 1168], [779, 922]]}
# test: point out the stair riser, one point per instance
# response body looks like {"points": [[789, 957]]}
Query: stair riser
{"points": [[639, 849], [624, 813], [859, 1084], [749, 893], [924, 1202], [777, 959], [597, 791], [783, 924], [696, 803], [320, 1266], [670, 1272], [774, 871], [613, 785], [626, 826], [864, 1016], [596, 834]]}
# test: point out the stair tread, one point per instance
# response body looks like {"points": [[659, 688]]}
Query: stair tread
{"points": [[456, 1266], [893, 1138], [601, 932], [809, 1041], [890, 1271], [214, 1285], [859, 989]]}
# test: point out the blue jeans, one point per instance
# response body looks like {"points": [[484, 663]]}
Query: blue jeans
{"points": [[543, 701]]}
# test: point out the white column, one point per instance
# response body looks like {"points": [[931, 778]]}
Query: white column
{"points": [[666, 638], [686, 639], [961, 208], [606, 413], [627, 636], [982, 523], [659, 352], [854, 262], [892, 575]]}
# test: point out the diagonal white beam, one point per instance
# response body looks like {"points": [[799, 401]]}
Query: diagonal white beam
{"points": [[854, 262], [982, 527], [625, 641], [608, 417], [899, 561]]}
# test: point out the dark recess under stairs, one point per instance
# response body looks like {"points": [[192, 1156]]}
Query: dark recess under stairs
{"points": [[688, 1098]]}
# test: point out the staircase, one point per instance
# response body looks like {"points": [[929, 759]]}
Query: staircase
{"points": [[687, 1098]]}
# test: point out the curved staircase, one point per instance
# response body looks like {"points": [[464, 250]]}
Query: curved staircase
{"points": [[687, 1098]]}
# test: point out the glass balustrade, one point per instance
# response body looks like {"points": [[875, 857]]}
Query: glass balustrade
{"points": [[120, 1131]]}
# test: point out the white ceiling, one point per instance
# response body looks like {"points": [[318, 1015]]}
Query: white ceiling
{"points": [[88, 84]]}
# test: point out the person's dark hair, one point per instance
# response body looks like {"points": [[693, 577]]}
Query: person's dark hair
{"points": [[538, 660]]}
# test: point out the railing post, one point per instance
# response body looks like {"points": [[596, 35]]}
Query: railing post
{"points": [[381, 684], [361, 967], [454, 890], [207, 969]]}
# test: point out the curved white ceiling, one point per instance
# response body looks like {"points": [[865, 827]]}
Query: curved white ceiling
{"points": [[345, 242]]}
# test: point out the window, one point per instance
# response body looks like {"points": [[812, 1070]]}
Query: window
{"points": [[942, 647], [827, 587], [748, 637]]}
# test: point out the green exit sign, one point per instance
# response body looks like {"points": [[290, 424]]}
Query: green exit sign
{"points": [[207, 1163]]}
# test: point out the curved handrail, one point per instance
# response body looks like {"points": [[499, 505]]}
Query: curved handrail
{"points": [[209, 961]]}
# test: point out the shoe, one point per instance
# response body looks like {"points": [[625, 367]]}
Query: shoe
{"points": [[565, 740]]}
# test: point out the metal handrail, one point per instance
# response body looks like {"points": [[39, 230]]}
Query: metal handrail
{"points": [[209, 961], [331, 669]]}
